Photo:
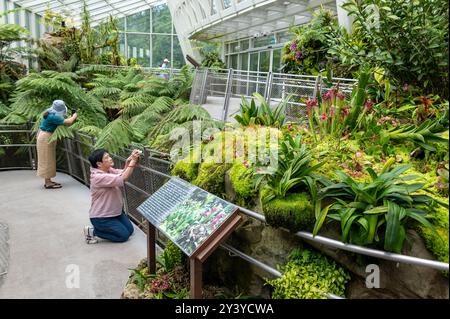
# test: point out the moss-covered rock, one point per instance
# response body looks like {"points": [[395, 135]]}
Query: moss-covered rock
{"points": [[242, 183], [185, 170], [294, 212], [211, 177]]}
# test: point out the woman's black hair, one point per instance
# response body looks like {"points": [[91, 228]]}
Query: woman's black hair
{"points": [[45, 115], [97, 156]]}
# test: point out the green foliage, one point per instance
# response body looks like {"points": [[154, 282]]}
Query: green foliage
{"points": [[212, 60], [186, 170], [407, 38], [242, 182], [211, 177], [249, 113], [309, 275], [362, 208], [263, 114], [37, 91], [307, 52], [293, 212], [116, 135], [293, 167], [424, 135], [172, 256]]}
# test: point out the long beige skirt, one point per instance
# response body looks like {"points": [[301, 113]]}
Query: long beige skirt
{"points": [[46, 153]]}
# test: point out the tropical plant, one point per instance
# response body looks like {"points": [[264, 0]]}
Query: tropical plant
{"points": [[10, 71], [362, 208], [37, 91], [409, 39], [262, 114], [309, 275], [424, 135], [291, 170]]}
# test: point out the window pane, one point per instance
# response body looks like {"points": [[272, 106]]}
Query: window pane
{"points": [[244, 45], [37, 26], [234, 61], [162, 21], [139, 48], [121, 24], [161, 49], [276, 61], [122, 43], [254, 62], [244, 61], [234, 47], [178, 59], [226, 4], [264, 41], [264, 61], [139, 22]]}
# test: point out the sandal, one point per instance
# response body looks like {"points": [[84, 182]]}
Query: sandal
{"points": [[52, 186]]}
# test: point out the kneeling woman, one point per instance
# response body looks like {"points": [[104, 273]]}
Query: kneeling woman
{"points": [[106, 213], [46, 152]]}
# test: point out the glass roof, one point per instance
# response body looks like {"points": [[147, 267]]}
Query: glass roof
{"points": [[98, 9]]}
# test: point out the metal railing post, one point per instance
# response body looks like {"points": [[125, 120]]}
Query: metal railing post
{"points": [[227, 95], [268, 90], [68, 150], [203, 87], [30, 152], [317, 86], [80, 157]]}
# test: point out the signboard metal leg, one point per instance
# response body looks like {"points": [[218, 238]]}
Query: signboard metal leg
{"points": [[196, 278], [151, 248]]}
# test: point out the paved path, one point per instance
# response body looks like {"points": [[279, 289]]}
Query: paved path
{"points": [[42, 232]]}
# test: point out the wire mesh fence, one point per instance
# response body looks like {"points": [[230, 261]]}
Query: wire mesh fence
{"points": [[274, 87]]}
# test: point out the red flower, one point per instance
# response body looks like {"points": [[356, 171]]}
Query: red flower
{"points": [[340, 96], [427, 102], [323, 117], [310, 104], [369, 104], [345, 111], [290, 126]]}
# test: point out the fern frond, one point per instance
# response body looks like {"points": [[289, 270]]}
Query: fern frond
{"points": [[116, 135], [62, 132]]}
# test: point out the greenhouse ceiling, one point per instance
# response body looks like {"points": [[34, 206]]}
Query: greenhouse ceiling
{"points": [[98, 9]]}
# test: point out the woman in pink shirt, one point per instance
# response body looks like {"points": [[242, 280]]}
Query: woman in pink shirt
{"points": [[106, 213]]}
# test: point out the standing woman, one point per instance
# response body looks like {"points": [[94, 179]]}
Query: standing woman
{"points": [[46, 151]]}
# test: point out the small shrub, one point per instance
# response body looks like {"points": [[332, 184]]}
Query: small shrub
{"points": [[172, 256], [309, 275], [294, 212]]}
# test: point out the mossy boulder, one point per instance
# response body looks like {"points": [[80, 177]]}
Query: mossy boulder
{"points": [[294, 212], [242, 182], [211, 177], [185, 170]]}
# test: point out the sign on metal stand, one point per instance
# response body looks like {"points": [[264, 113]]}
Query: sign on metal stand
{"points": [[193, 219]]}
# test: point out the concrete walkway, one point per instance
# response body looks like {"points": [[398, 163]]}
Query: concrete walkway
{"points": [[46, 244]]}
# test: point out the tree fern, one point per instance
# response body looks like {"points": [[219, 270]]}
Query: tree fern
{"points": [[91, 130], [4, 110], [37, 91], [115, 136]]}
